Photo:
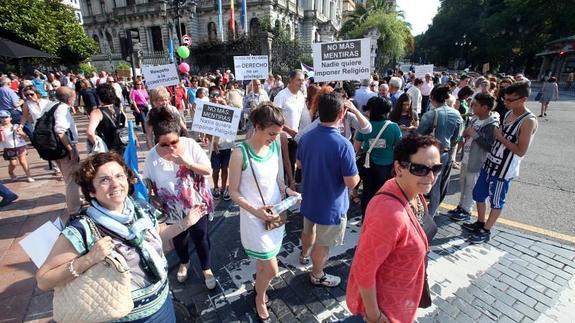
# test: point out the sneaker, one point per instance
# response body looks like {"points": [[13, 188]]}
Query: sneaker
{"points": [[12, 175], [210, 282], [182, 274], [30, 180], [325, 280], [226, 195], [304, 260], [462, 215], [472, 227], [216, 193], [480, 236], [8, 200], [455, 211]]}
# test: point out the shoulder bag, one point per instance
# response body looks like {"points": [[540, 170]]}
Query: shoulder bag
{"points": [[102, 293], [430, 229], [278, 221], [363, 159]]}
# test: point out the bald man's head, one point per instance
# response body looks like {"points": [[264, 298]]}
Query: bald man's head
{"points": [[66, 95]]}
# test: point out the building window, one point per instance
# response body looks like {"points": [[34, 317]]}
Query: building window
{"points": [[212, 32], [110, 41], [183, 29], [97, 40], [254, 26], [89, 7], [131, 2], [157, 43]]}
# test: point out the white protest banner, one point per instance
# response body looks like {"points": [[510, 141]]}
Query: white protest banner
{"points": [[342, 60], [251, 67], [216, 119], [160, 75], [421, 70]]}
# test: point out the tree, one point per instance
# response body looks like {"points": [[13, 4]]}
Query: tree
{"points": [[48, 25], [395, 37], [506, 33]]}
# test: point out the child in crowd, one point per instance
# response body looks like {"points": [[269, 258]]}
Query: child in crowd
{"points": [[220, 159], [479, 136], [11, 140]]}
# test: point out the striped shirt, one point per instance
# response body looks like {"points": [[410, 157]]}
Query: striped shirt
{"points": [[502, 162]]}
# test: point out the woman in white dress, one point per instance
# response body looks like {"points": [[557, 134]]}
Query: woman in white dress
{"points": [[256, 163]]}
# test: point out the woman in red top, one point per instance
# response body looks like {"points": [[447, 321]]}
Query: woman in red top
{"points": [[181, 96], [388, 270]]}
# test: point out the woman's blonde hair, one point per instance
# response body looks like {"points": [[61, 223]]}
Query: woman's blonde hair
{"points": [[159, 92]]}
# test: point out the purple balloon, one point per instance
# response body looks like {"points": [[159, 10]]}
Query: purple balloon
{"points": [[184, 68]]}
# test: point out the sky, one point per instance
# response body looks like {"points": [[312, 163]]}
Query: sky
{"points": [[418, 13]]}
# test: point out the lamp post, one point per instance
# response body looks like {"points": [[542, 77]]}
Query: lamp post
{"points": [[176, 5], [464, 42]]}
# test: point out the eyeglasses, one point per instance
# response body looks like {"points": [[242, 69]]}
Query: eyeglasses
{"points": [[169, 144], [138, 83], [422, 170], [4, 117], [107, 180], [508, 100], [29, 94]]}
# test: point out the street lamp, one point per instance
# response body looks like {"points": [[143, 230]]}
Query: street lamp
{"points": [[190, 5], [464, 42]]}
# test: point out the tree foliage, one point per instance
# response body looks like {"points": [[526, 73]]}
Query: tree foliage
{"points": [[395, 39], [48, 25], [502, 32]]}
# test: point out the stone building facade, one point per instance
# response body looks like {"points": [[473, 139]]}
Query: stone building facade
{"points": [[151, 23]]}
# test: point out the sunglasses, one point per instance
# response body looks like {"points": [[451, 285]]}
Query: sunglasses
{"points": [[214, 94], [512, 100], [29, 94], [4, 117], [422, 170], [169, 144]]}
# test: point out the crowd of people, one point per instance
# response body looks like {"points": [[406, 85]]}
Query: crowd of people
{"points": [[387, 143]]}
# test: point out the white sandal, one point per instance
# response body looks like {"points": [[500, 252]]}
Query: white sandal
{"points": [[182, 273]]}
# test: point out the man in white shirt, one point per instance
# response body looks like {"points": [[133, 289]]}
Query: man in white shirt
{"points": [[426, 88], [117, 88], [363, 94], [65, 127], [292, 103], [415, 93], [463, 82]]}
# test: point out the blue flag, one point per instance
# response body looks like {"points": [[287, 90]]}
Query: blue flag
{"points": [[244, 16], [171, 50], [220, 20], [131, 159]]}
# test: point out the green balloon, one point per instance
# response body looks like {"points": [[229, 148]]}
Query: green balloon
{"points": [[183, 52]]}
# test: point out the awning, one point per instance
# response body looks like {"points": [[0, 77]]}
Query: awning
{"points": [[10, 49]]}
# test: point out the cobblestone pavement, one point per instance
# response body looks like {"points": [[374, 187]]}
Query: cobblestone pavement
{"points": [[513, 278]]}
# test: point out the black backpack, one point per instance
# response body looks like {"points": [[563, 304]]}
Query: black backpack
{"points": [[45, 139]]}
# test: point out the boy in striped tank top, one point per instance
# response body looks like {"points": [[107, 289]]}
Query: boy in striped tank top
{"points": [[512, 140]]}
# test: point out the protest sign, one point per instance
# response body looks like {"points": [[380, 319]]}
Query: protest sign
{"points": [[161, 75], [38, 244], [216, 119], [421, 70], [342, 60], [251, 67]]}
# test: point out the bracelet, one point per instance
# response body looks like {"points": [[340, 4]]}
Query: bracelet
{"points": [[285, 190], [72, 270]]}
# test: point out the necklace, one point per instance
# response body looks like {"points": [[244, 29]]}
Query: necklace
{"points": [[418, 209]]}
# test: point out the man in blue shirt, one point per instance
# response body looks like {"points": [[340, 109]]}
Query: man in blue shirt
{"points": [[395, 91], [9, 100], [444, 123], [328, 165]]}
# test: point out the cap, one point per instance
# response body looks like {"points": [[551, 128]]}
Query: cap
{"points": [[4, 114]]}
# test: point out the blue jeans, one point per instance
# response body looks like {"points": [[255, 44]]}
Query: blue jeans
{"points": [[439, 189], [375, 177], [165, 314], [5, 192]]}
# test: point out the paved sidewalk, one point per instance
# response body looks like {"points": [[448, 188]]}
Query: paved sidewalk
{"points": [[513, 278]]}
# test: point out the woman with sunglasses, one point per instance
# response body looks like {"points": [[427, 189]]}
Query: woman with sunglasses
{"points": [[32, 109], [139, 97], [387, 275], [178, 170]]}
